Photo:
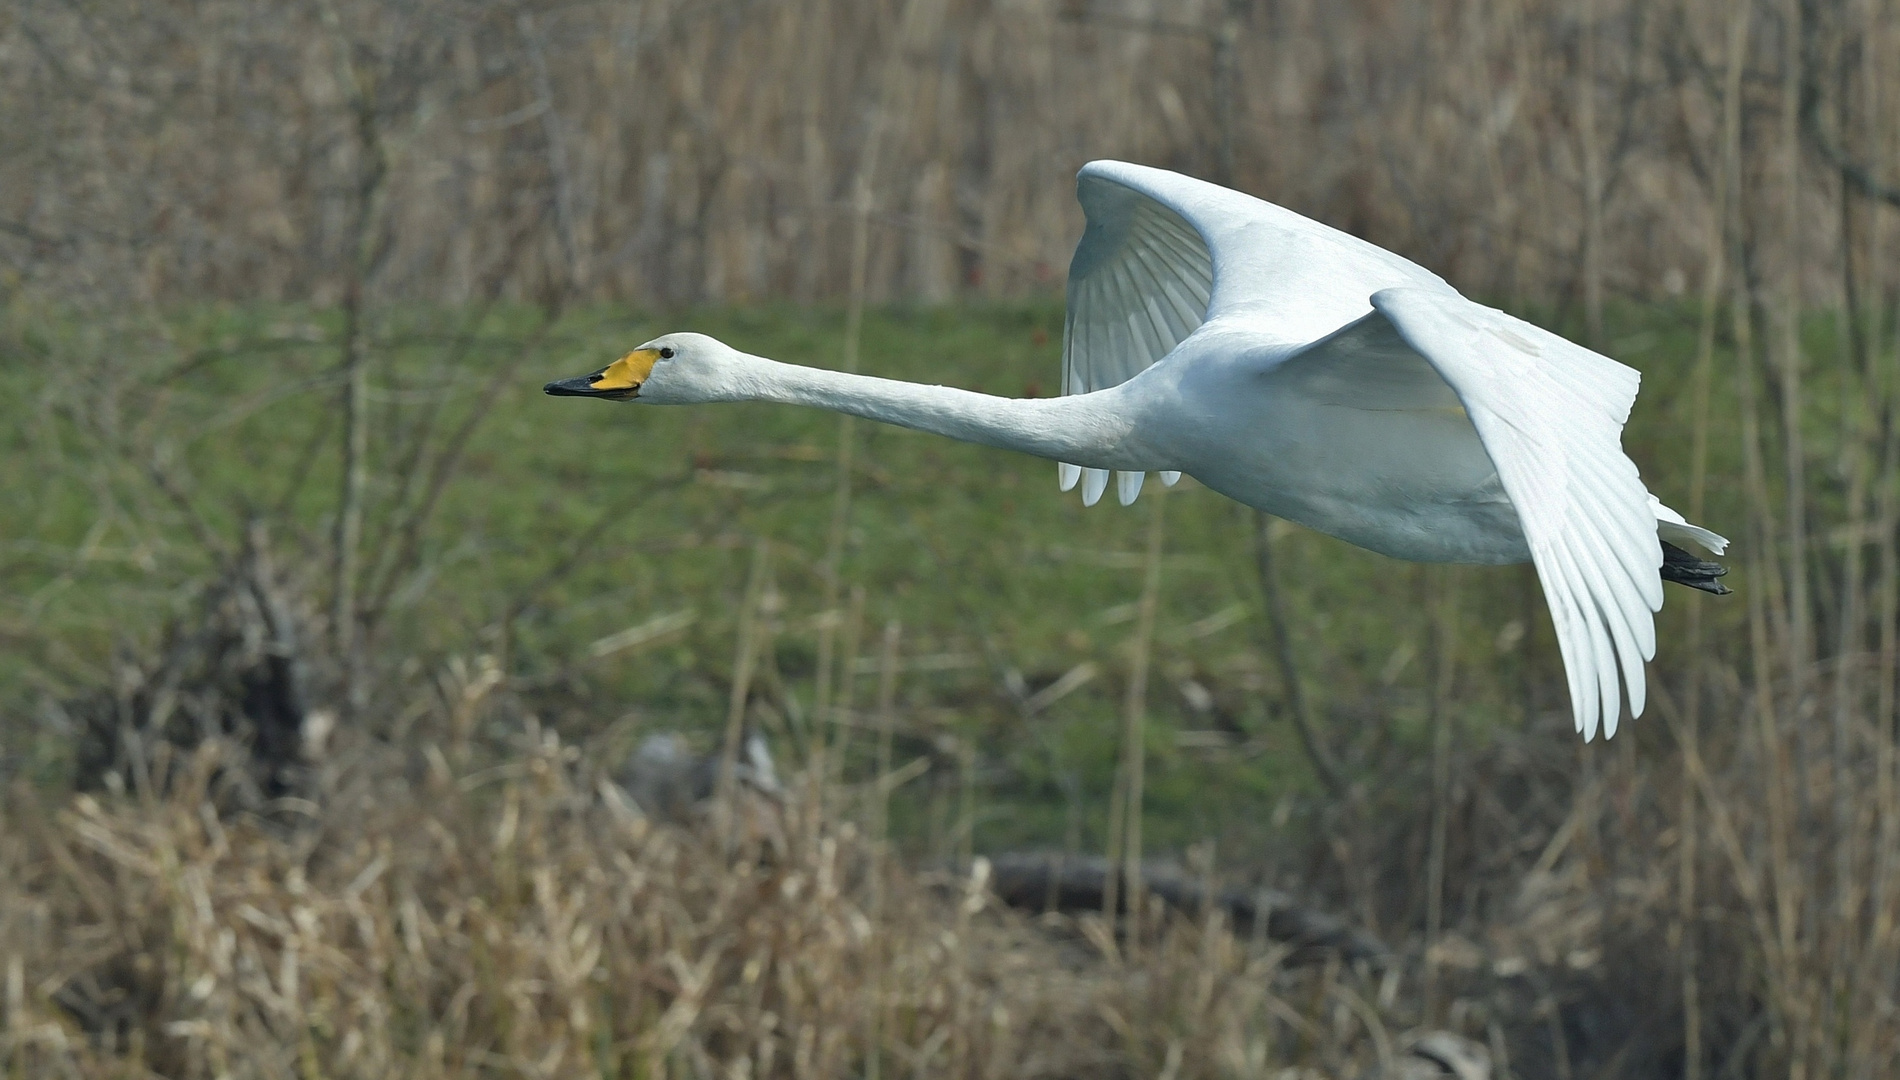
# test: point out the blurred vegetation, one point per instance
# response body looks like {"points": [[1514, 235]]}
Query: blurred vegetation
{"points": [[686, 152]]}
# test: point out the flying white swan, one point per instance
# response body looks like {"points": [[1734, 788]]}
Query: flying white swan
{"points": [[1309, 374]]}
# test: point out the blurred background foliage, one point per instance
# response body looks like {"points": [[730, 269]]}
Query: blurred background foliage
{"points": [[711, 151]]}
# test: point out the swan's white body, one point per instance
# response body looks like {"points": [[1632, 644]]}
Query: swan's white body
{"points": [[1308, 373]]}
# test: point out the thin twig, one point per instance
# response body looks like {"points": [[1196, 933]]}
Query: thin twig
{"points": [[741, 688], [1278, 626], [1127, 862]]}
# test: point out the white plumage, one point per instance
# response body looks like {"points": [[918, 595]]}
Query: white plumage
{"points": [[1310, 374]]}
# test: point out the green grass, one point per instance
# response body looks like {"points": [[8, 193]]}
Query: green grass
{"points": [[972, 549]]}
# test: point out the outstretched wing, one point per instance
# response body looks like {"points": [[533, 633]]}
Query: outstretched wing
{"points": [[1550, 414], [1164, 253], [1139, 284]]}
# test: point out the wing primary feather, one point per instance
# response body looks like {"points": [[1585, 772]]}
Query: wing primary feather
{"points": [[1577, 634], [1600, 620], [1140, 333], [1627, 633], [1162, 336], [1140, 330], [1615, 587], [1197, 267], [1184, 309], [1602, 648], [1089, 310], [1075, 339], [1152, 296], [1128, 486], [1562, 618], [1094, 337], [1163, 269], [1191, 277], [1068, 351], [1632, 554], [1572, 643], [1171, 270], [1630, 536], [1102, 335], [1629, 661], [1186, 240], [1117, 360]]}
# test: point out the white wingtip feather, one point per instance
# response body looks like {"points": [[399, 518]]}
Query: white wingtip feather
{"points": [[1128, 486]]}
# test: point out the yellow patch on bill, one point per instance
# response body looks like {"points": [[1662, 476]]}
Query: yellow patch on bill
{"points": [[628, 372]]}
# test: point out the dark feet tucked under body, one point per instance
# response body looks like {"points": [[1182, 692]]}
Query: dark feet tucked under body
{"points": [[1685, 569]]}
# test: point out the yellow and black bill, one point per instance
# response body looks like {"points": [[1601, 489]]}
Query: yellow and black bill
{"points": [[618, 381]]}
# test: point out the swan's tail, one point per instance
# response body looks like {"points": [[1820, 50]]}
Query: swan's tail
{"points": [[1670, 526]]}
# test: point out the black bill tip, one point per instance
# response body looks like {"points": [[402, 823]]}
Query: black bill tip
{"points": [[590, 386], [578, 386]]}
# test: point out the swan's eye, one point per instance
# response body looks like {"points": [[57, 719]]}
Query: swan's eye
{"points": [[666, 354]]}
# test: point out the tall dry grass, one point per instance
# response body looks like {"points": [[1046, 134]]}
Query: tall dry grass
{"points": [[525, 918], [506, 908]]}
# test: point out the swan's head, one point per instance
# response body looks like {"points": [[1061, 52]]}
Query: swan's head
{"points": [[678, 369]]}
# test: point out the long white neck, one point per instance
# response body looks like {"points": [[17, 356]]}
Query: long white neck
{"points": [[1091, 430]]}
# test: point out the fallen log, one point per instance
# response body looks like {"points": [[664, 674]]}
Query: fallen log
{"points": [[1051, 881]]}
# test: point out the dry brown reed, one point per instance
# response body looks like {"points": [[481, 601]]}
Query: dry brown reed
{"points": [[524, 918]]}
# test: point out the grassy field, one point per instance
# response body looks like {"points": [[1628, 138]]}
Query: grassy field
{"points": [[566, 522]]}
